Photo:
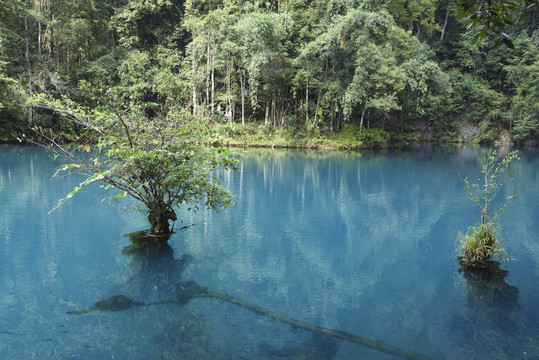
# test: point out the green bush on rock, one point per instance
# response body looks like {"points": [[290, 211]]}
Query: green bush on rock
{"points": [[481, 245]]}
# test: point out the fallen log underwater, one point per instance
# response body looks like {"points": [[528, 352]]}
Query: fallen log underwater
{"points": [[191, 290]]}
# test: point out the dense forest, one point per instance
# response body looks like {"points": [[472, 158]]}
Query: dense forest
{"points": [[379, 70]]}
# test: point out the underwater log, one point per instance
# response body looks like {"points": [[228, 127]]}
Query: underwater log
{"points": [[296, 324], [191, 290]]}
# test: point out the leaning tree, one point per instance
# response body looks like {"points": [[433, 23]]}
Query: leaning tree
{"points": [[154, 157]]}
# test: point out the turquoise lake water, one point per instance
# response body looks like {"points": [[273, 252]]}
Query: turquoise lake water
{"points": [[359, 243]]}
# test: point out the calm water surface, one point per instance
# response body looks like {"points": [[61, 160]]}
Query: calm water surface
{"points": [[363, 244]]}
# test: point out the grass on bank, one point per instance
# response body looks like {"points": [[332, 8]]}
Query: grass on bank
{"points": [[260, 135]]}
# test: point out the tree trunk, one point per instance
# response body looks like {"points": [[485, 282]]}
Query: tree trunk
{"points": [[362, 116], [49, 45], [307, 103], [159, 220], [316, 112], [242, 81], [228, 92], [445, 24], [212, 85], [68, 56], [39, 30], [283, 112], [208, 74], [28, 65], [273, 112], [195, 109]]}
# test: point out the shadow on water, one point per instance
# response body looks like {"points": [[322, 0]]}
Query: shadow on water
{"points": [[492, 324]]}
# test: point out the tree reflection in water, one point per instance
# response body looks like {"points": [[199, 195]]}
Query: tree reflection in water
{"points": [[492, 321]]}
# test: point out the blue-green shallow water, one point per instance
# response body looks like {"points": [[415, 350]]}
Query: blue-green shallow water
{"points": [[363, 244]]}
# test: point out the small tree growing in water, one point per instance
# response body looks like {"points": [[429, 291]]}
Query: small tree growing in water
{"points": [[157, 160], [481, 244]]}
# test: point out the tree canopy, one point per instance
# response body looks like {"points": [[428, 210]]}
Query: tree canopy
{"points": [[154, 158], [416, 69]]}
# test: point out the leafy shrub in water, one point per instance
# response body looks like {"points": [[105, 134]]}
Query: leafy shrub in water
{"points": [[480, 245]]}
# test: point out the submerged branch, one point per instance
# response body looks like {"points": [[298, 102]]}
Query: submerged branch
{"points": [[191, 290]]}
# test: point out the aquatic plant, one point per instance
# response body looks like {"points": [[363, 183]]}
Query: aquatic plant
{"points": [[481, 245]]}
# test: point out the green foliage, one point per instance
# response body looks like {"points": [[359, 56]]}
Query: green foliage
{"points": [[308, 67], [352, 137], [488, 132], [104, 70], [12, 101], [375, 138], [416, 16], [154, 159], [488, 19], [496, 171], [349, 137], [480, 245], [143, 24], [135, 75], [523, 75]]}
